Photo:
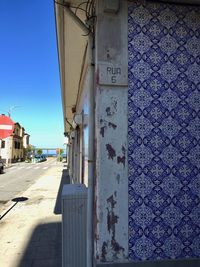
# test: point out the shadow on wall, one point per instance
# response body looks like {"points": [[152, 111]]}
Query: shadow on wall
{"points": [[64, 180], [44, 248]]}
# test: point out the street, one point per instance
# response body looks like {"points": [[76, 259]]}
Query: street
{"points": [[31, 230], [20, 176]]}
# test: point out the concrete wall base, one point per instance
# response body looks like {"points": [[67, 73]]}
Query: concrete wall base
{"points": [[169, 263]]}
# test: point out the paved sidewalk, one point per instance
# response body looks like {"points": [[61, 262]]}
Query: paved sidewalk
{"points": [[30, 234]]}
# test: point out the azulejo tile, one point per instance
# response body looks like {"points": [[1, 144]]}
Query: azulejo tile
{"points": [[164, 131]]}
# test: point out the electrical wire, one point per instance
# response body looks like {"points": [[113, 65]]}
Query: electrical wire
{"points": [[89, 12], [87, 9], [69, 123], [78, 8], [58, 3], [80, 5], [91, 8], [68, 5]]}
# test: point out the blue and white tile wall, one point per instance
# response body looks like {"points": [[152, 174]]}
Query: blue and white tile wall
{"points": [[164, 131]]}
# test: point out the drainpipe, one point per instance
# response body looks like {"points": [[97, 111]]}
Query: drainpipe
{"points": [[91, 158], [91, 126]]}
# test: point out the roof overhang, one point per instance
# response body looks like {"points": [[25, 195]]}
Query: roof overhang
{"points": [[71, 44]]}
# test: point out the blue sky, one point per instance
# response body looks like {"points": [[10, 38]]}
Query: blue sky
{"points": [[29, 72]]}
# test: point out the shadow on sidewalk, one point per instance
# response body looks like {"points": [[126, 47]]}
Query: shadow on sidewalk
{"points": [[44, 248], [64, 180]]}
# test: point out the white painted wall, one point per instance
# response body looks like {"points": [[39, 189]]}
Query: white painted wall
{"points": [[111, 194], [6, 153]]}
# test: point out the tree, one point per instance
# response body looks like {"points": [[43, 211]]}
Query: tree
{"points": [[28, 151], [39, 152], [59, 152], [29, 148]]}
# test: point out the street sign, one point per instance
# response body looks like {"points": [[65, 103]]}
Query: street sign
{"points": [[6, 126]]}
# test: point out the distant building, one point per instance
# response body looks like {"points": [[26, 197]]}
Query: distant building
{"points": [[6, 149], [13, 147], [26, 140]]}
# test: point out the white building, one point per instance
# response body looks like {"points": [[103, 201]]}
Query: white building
{"points": [[131, 70], [12, 147]]}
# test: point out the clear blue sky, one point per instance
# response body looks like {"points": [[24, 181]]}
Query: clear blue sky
{"points": [[29, 72]]}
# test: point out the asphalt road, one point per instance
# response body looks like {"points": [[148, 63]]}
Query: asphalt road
{"points": [[19, 177]]}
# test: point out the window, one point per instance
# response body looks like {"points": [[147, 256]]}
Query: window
{"points": [[3, 144]]}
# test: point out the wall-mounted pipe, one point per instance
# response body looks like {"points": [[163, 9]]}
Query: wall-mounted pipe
{"points": [[91, 157]]}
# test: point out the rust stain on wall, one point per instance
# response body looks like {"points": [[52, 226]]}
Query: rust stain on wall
{"points": [[104, 251], [95, 221], [123, 150], [111, 201], [102, 130], [97, 76], [118, 178], [112, 220], [111, 151], [104, 125], [122, 159], [112, 109], [95, 214], [108, 111], [114, 103], [114, 126], [117, 248]]}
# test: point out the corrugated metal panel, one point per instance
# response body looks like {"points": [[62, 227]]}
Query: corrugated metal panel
{"points": [[74, 211]]}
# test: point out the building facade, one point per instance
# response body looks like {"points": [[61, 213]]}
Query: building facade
{"points": [[12, 147], [130, 75]]}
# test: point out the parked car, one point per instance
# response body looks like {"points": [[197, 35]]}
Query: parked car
{"points": [[1, 166], [40, 158]]}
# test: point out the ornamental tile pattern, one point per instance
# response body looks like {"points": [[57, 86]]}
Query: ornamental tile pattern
{"points": [[164, 131]]}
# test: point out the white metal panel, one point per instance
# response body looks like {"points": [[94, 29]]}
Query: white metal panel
{"points": [[74, 211]]}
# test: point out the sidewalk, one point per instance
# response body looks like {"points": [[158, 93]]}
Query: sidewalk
{"points": [[30, 234]]}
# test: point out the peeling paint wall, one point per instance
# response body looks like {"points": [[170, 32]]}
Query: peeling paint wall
{"points": [[111, 197], [112, 203]]}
